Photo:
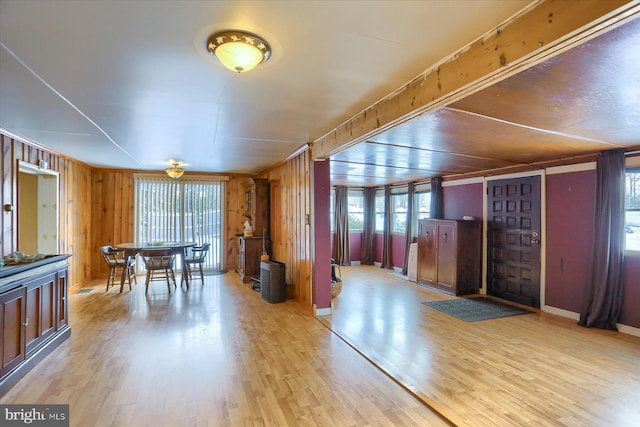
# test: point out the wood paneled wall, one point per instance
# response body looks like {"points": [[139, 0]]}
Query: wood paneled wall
{"points": [[74, 233], [294, 248], [96, 208], [112, 222], [234, 224]]}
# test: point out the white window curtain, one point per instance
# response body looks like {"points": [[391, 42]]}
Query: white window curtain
{"points": [[188, 209]]}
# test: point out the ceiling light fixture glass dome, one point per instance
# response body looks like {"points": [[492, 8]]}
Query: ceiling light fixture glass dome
{"points": [[239, 51]]}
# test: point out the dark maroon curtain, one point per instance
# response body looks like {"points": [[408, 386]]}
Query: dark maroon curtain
{"points": [[602, 302], [341, 249], [368, 247], [437, 200], [387, 262]]}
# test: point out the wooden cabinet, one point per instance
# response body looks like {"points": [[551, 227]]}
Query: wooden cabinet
{"points": [[12, 317], [62, 294], [449, 255], [257, 193], [257, 205], [249, 251], [40, 322], [33, 315]]}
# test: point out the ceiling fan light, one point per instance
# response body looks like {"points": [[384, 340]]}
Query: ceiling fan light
{"points": [[174, 172], [239, 51]]}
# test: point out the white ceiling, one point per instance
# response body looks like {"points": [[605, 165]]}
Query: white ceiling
{"points": [[129, 84]]}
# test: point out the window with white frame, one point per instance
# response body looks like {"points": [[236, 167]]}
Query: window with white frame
{"points": [[632, 209], [399, 213], [422, 205], [332, 209], [355, 210], [169, 210], [380, 211]]}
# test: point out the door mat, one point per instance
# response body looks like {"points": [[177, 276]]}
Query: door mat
{"points": [[475, 309], [83, 291]]}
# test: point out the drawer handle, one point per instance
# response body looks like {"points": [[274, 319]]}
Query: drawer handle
{"points": [[26, 323]]}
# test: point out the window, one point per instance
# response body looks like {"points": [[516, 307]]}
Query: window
{"points": [[399, 213], [355, 209], [422, 205], [332, 209], [379, 211], [632, 209], [181, 210]]}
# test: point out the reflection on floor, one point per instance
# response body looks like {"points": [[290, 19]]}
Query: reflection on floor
{"points": [[214, 355], [537, 369]]}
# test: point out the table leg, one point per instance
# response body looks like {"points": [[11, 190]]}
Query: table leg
{"points": [[185, 271], [123, 277], [127, 255]]}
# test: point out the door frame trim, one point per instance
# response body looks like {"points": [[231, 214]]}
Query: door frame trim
{"points": [[543, 227]]}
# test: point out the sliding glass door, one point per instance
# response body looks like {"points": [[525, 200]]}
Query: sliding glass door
{"points": [[188, 209]]}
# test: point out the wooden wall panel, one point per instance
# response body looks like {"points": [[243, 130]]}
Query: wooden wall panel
{"points": [[113, 222], [234, 201], [294, 248], [74, 229], [112, 200], [96, 209]]}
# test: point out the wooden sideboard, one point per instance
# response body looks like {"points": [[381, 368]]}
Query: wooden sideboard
{"points": [[449, 255], [33, 315]]}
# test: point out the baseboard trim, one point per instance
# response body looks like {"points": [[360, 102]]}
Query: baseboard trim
{"points": [[625, 329], [323, 311], [561, 312]]}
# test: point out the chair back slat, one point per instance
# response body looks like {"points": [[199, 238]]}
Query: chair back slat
{"points": [[160, 259]]}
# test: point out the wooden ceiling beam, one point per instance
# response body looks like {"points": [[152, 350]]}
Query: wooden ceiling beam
{"points": [[540, 32]]}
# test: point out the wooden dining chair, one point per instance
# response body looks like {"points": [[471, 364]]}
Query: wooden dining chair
{"points": [[196, 256], [117, 260], [159, 264]]}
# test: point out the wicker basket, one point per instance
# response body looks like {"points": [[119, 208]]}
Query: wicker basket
{"points": [[336, 287]]}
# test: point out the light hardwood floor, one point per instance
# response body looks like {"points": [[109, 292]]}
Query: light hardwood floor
{"points": [[217, 355], [530, 370]]}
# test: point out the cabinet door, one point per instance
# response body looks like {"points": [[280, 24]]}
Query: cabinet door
{"points": [[62, 299], [447, 258], [426, 253], [40, 319], [12, 317]]}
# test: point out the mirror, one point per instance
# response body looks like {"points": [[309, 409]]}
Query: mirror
{"points": [[37, 209]]}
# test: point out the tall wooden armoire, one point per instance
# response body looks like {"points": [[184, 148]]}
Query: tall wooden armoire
{"points": [[449, 255]]}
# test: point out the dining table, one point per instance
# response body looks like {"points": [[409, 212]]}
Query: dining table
{"points": [[131, 249]]}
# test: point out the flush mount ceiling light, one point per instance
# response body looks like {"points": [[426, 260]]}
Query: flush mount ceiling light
{"points": [[175, 172], [239, 51]]}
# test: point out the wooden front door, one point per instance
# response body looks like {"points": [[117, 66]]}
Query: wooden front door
{"points": [[513, 258]]}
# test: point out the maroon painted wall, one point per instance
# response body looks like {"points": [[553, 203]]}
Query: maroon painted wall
{"points": [[570, 220], [355, 243], [631, 299], [397, 249], [322, 227], [461, 200], [379, 244], [570, 199], [570, 223]]}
